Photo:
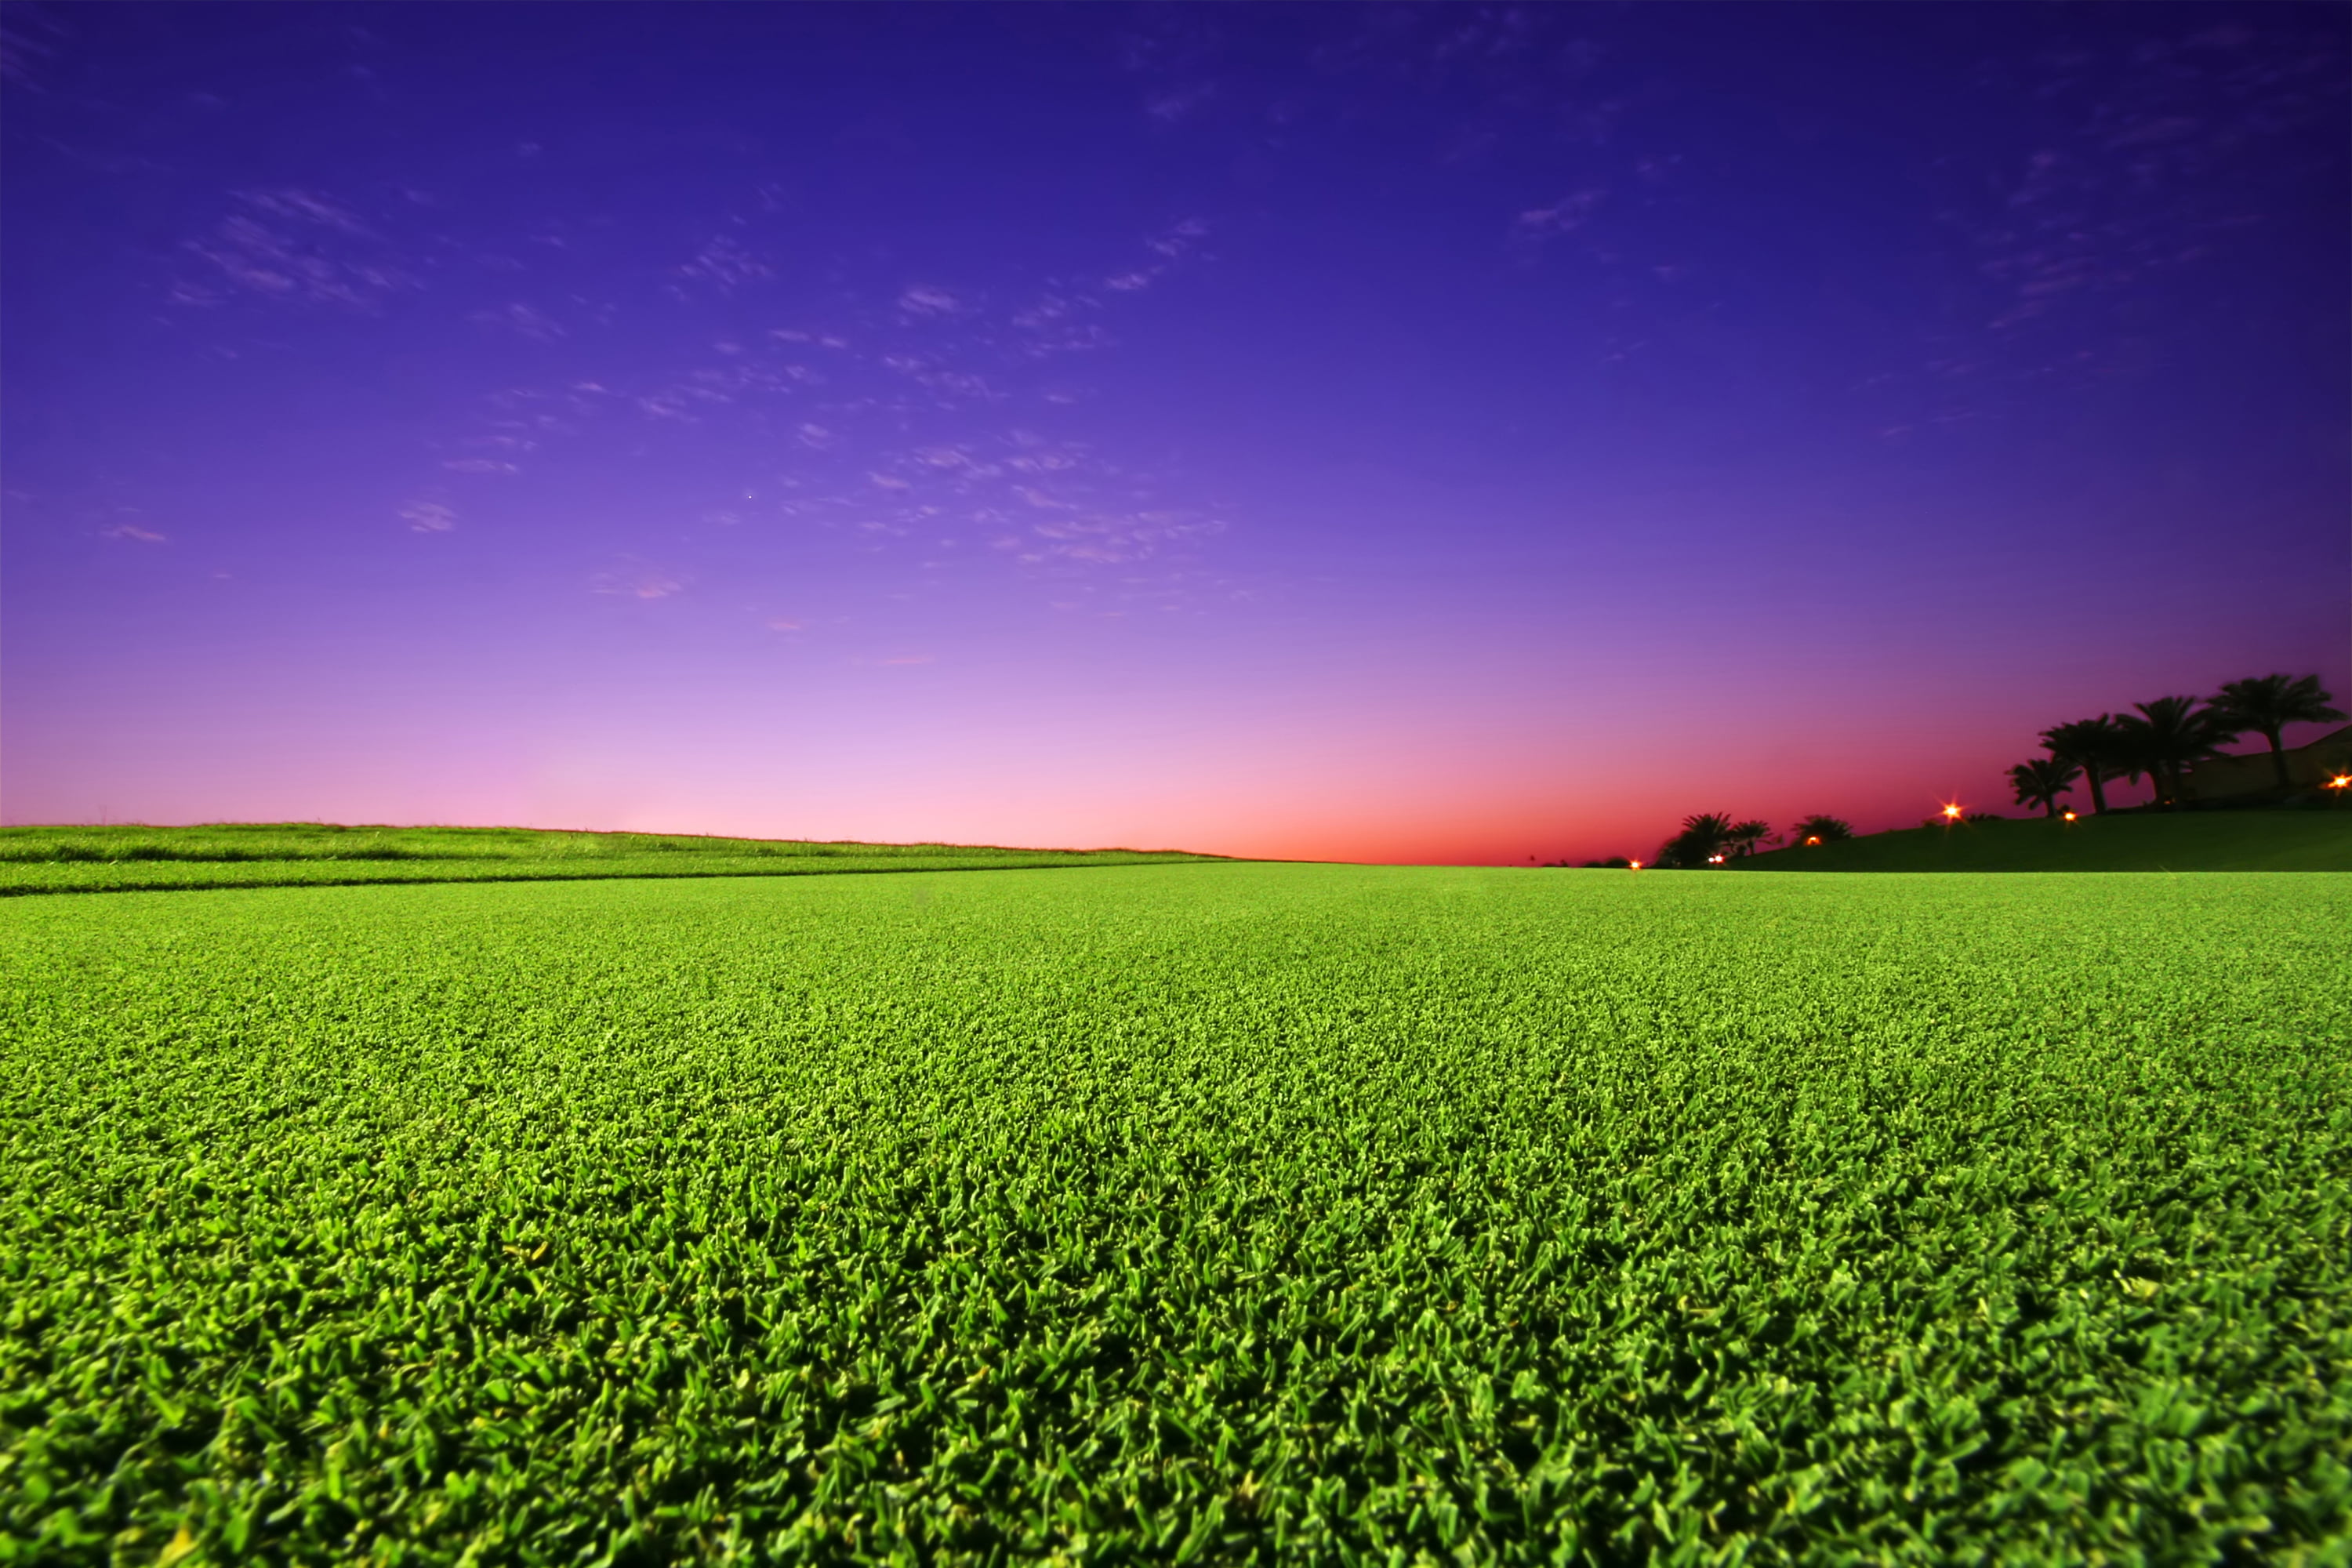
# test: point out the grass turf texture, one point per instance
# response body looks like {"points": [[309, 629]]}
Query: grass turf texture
{"points": [[281, 854], [1212, 1213], [2154, 841]]}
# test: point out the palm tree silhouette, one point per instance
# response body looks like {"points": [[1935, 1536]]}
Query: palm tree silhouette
{"points": [[2132, 757], [2042, 780], [2270, 703], [2092, 745], [1702, 839], [1820, 830], [1744, 836], [2168, 735]]}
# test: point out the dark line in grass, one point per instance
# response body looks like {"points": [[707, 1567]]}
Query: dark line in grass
{"points": [[23, 890]]}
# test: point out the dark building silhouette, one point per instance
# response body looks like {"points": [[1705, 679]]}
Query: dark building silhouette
{"points": [[2253, 772]]}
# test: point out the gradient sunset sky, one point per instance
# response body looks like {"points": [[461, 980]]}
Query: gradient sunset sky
{"points": [[1454, 433]]}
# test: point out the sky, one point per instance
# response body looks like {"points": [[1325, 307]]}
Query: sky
{"points": [[1450, 434]]}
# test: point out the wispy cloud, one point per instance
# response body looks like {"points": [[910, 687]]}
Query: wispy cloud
{"points": [[635, 580], [1172, 244], [29, 41], [522, 319], [924, 302], [1109, 538], [524, 406], [1510, 71], [2154, 155], [1054, 326], [131, 531], [951, 388], [284, 245], [1569, 212], [107, 163], [1180, 103], [1181, 239], [306, 206], [940, 347], [727, 264], [668, 404], [949, 347], [1045, 503]]}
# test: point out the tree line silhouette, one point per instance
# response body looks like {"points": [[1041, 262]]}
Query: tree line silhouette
{"points": [[2158, 741], [1712, 839], [2161, 740]]}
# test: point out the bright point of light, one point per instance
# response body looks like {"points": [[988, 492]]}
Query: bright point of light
{"points": [[1951, 814], [2070, 817], [1637, 865]]}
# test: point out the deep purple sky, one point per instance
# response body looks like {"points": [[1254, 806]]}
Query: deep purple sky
{"points": [[1444, 433]]}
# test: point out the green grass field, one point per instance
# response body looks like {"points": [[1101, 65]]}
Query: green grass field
{"points": [[86, 860], [1210, 1213], [2183, 841]]}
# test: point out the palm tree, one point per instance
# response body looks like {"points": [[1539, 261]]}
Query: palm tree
{"points": [[2131, 757], [1745, 836], [2042, 780], [2171, 734], [2092, 745], [1819, 830], [2270, 703], [1702, 839]]}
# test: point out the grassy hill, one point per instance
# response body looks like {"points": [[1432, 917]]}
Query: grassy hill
{"points": [[277, 854], [2183, 841]]}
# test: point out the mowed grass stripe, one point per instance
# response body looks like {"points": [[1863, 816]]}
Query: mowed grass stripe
{"points": [[116, 859], [1226, 1212]]}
